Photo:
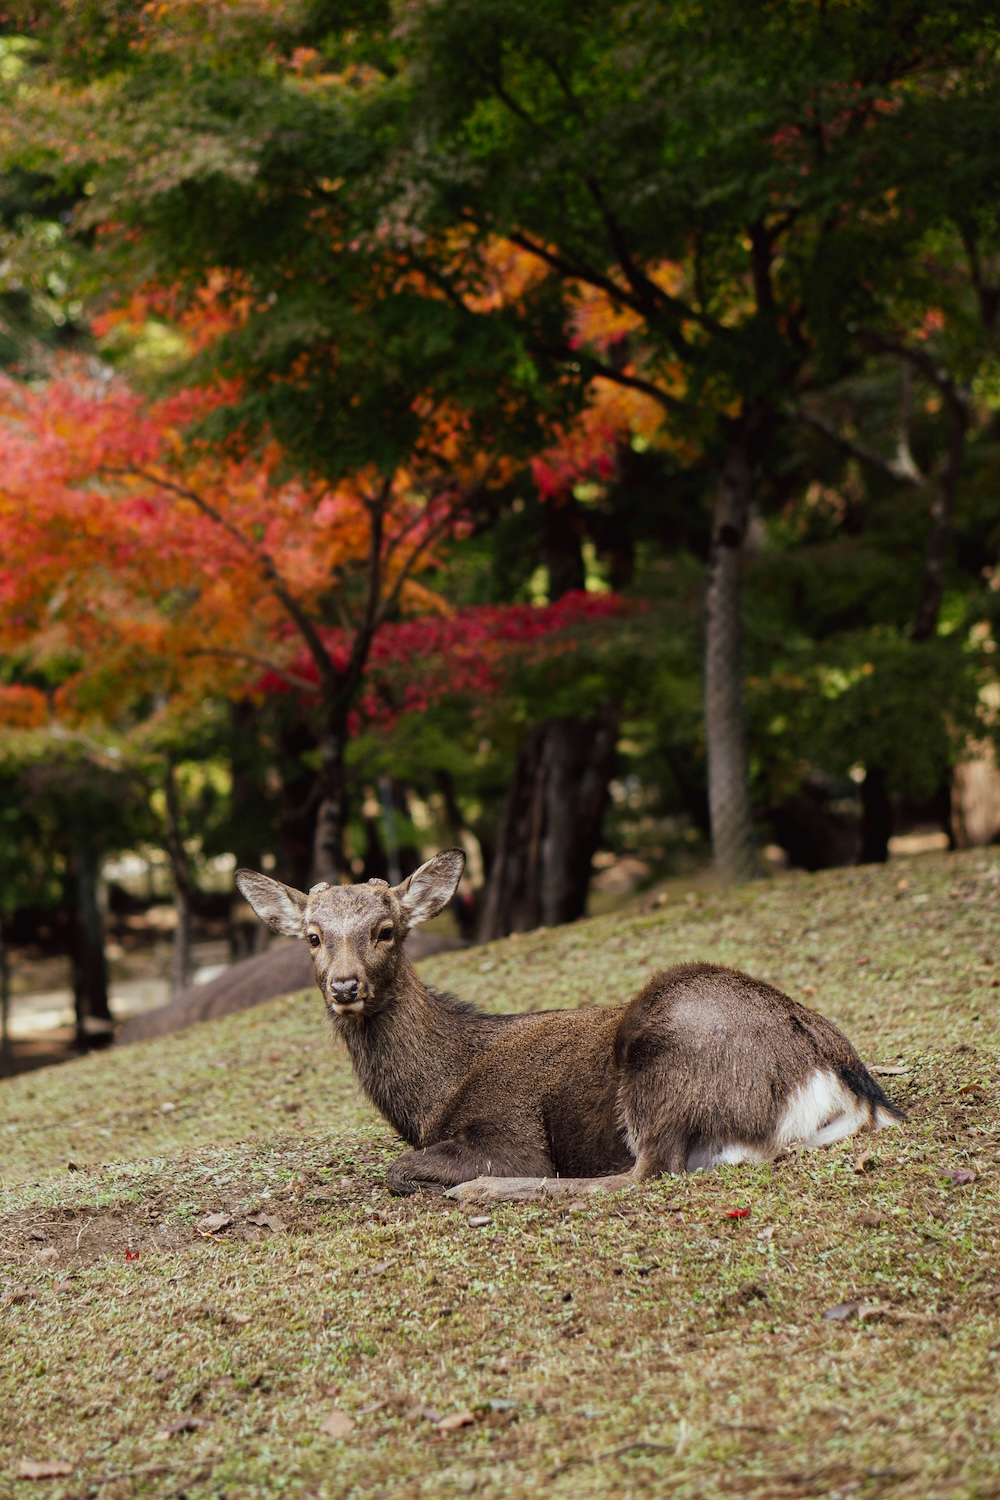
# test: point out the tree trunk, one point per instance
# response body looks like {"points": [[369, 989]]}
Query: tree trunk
{"points": [[942, 519], [94, 1020], [730, 807], [561, 535], [180, 950], [247, 819], [876, 817], [329, 858], [4, 1004], [550, 825], [928, 613], [184, 888]]}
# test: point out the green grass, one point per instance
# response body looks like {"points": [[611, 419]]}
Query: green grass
{"points": [[640, 1344]]}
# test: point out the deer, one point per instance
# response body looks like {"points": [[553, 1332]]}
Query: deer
{"points": [[704, 1066]]}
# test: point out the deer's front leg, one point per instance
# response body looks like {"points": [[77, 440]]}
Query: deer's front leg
{"points": [[531, 1189], [435, 1169]]}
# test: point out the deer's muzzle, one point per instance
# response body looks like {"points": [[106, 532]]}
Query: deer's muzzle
{"points": [[346, 996]]}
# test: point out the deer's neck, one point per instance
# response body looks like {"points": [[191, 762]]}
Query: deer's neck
{"points": [[412, 1056]]}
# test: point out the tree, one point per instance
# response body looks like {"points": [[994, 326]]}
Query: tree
{"points": [[707, 173], [184, 569]]}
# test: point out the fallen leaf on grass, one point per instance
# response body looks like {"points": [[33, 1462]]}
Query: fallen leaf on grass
{"points": [[338, 1424], [860, 1310], [379, 1267], [864, 1161], [62, 1286], [186, 1424], [455, 1421], [887, 1070], [37, 1234], [840, 1313], [962, 1176], [972, 1088], [18, 1295], [49, 1253], [53, 1468], [213, 1223], [427, 1413], [479, 1221], [737, 1213], [267, 1221]]}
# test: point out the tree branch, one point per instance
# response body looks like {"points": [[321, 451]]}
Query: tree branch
{"points": [[938, 376], [673, 404], [301, 684], [892, 468], [306, 626]]}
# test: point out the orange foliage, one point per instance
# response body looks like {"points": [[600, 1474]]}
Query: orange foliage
{"points": [[138, 562]]}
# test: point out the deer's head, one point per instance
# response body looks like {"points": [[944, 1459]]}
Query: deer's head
{"points": [[355, 932]]}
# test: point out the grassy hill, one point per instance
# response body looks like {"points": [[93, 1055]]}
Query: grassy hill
{"points": [[645, 1343]]}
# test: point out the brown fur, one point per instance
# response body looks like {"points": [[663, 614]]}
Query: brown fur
{"points": [[701, 1055]]}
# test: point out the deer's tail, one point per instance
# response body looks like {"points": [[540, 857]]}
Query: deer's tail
{"points": [[869, 1091]]}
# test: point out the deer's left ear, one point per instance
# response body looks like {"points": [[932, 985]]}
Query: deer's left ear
{"points": [[429, 889], [281, 906]]}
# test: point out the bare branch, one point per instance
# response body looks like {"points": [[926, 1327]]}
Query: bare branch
{"points": [[921, 359], [301, 684], [892, 468]]}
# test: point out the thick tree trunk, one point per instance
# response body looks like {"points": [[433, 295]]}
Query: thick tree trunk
{"points": [[561, 532], [329, 859], [730, 807], [876, 817], [4, 1003], [550, 825], [180, 952], [94, 1020]]}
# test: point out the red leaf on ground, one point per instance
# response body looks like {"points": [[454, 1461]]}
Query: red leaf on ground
{"points": [[737, 1213]]}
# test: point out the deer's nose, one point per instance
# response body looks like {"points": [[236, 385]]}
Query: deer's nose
{"points": [[344, 990]]}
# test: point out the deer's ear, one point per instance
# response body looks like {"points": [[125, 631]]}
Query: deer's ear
{"points": [[429, 889], [280, 906]]}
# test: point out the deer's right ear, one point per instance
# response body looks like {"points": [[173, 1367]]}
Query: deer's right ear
{"points": [[281, 906]]}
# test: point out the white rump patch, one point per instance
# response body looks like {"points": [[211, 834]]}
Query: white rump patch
{"points": [[820, 1112], [702, 1158]]}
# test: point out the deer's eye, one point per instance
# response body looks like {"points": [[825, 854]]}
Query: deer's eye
{"points": [[314, 940], [383, 935]]}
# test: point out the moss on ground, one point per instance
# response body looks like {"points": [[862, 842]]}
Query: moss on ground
{"points": [[643, 1344]]}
